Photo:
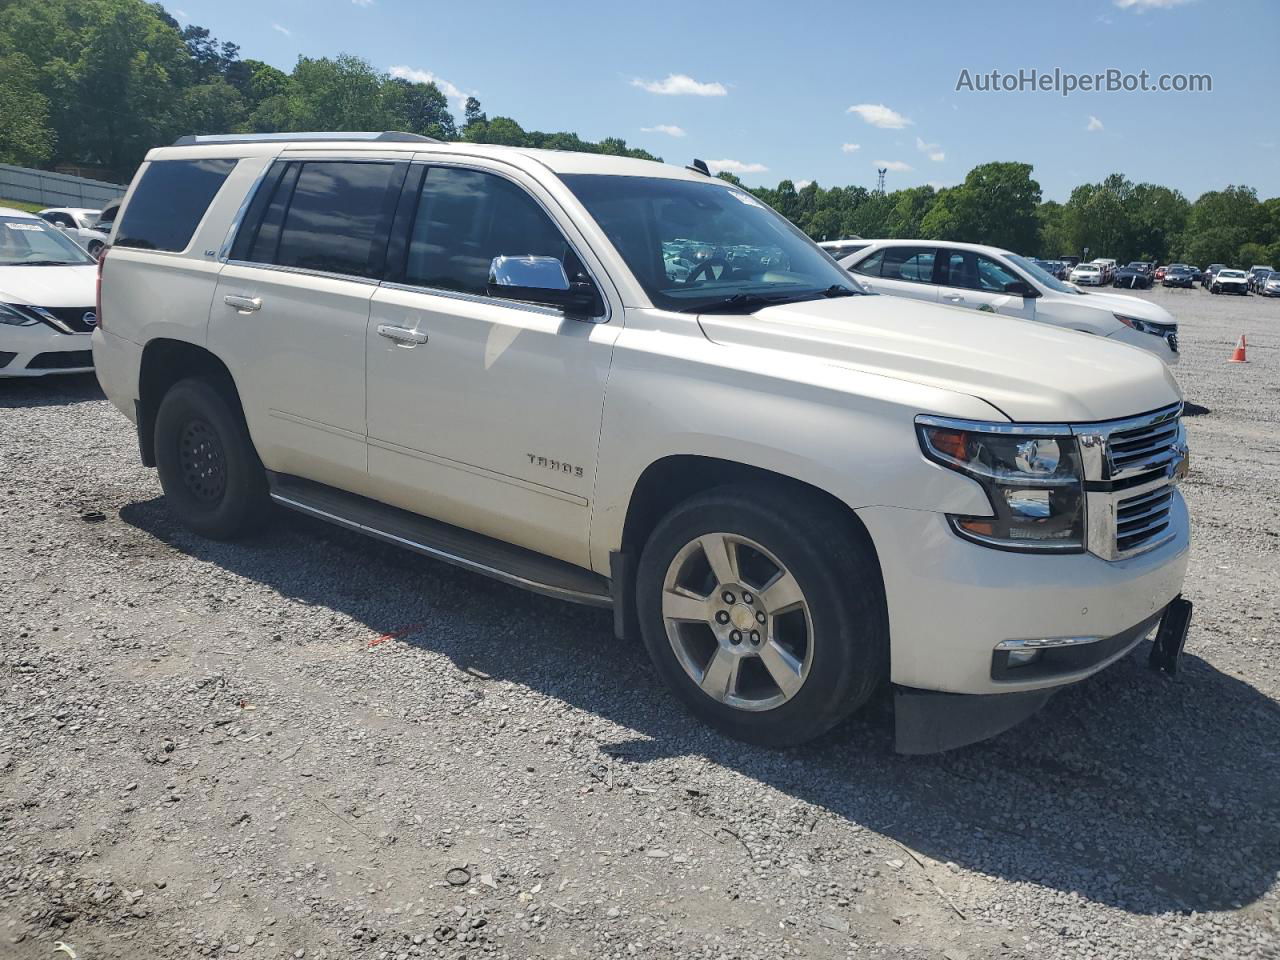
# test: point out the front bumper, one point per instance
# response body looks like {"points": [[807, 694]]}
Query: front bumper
{"points": [[951, 602], [39, 350], [1162, 347]]}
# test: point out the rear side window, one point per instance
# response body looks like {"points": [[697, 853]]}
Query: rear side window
{"points": [[908, 263], [332, 216], [169, 202], [869, 266]]}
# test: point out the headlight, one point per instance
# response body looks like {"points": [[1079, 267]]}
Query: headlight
{"points": [[13, 317], [1032, 477], [1146, 326]]}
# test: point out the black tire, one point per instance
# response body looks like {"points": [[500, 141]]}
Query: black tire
{"points": [[212, 478], [835, 566]]}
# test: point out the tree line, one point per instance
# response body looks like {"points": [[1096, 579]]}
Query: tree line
{"points": [[97, 83]]}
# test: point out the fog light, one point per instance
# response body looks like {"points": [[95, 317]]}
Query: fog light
{"points": [[1020, 658]]}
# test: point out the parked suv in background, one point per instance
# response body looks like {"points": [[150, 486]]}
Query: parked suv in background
{"points": [[997, 281], [80, 224], [46, 299], [792, 492]]}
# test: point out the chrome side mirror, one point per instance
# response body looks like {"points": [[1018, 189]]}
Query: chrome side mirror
{"points": [[529, 273], [542, 280]]}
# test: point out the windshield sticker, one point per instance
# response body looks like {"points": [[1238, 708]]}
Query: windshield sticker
{"points": [[32, 227], [746, 198]]}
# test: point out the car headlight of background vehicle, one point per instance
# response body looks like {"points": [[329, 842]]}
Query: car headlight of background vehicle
{"points": [[13, 317], [1032, 476], [1146, 326]]}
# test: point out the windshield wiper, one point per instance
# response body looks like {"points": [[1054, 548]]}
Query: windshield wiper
{"points": [[836, 290], [42, 263], [738, 303]]}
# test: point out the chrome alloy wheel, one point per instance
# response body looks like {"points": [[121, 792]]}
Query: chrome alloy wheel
{"points": [[737, 621]]}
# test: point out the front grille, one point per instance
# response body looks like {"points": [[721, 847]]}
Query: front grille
{"points": [[63, 360], [1150, 446], [1143, 519], [73, 318]]}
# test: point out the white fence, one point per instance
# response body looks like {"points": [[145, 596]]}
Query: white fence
{"points": [[55, 189]]}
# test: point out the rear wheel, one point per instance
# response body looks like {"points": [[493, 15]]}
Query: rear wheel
{"points": [[212, 478], [763, 614]]}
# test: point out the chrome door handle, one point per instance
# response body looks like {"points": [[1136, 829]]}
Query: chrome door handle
{"points": [[243, 304], [401, 334], [954, 298]]}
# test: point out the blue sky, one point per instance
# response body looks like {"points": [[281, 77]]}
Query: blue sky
{"points": [[766, 88]]}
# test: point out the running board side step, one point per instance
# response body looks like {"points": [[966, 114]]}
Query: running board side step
{"points": [[462, 548]]}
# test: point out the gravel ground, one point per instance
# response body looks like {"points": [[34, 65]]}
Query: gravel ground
{"points": [[312, 745]]}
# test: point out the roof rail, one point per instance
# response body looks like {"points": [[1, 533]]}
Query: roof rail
{"points": [[386, 136]]}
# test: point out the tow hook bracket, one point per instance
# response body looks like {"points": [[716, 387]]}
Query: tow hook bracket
{"points": [[1171, 637]]}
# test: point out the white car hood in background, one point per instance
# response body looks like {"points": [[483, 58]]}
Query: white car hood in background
{"points": [[1031, 372], [1122, 303], [73, 286]]}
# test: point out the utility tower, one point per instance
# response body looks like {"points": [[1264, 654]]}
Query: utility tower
{"points": [[880, 171]]}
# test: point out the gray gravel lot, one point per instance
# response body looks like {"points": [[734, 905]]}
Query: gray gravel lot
{"points": [[312, 745]]}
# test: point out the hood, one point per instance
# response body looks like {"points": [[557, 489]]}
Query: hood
{"points": [[1129, 306], [1030, 371], [73, 286]]}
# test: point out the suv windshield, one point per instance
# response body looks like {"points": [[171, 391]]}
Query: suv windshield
{"points": [[33, 243], [702, 245], [1039, 274]]}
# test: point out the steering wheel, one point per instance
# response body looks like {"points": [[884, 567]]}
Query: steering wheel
{"points": [[704, 266]]}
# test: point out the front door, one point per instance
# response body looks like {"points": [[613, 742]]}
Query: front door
{"points": [[483, 412], [977, 281]]}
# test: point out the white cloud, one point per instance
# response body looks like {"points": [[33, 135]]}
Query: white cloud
{"points": [[279, 29], [450, 90], [850, 147], [1142, 6], [681, 85], [1094, 124], [181, 14], [670, 129], [735, 166], [934, 150], [363, 3], [897, 166], [801, 184], [878, 115]]}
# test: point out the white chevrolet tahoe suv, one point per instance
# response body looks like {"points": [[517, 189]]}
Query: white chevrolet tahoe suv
{"points": [[632, 385]]}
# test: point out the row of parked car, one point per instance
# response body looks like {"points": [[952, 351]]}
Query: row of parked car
{"points": [[1143, 274], [89, 227]]}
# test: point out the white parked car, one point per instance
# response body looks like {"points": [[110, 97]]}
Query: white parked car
{"points": [[1108, 267], [997, 281], [1087, 275], [80, 224], [792, 493], [47, 292], [1230, 281]]}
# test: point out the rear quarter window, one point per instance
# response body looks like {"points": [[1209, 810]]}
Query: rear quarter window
{"points": [[169, 202]]}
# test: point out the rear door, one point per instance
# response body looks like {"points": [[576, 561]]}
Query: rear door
{"points": [[292, 304], [977, 281], [905, 271]]}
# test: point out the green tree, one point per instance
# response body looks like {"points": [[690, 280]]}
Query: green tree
{"points": [[996, 205], [910, 207], [25, 135]]}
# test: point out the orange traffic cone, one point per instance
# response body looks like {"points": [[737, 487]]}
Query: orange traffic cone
{"points": [[1238, 356]]}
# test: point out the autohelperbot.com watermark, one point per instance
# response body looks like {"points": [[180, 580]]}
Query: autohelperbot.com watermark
{"points": [[1065, 82]]}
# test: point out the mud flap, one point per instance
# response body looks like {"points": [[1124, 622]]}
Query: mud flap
{"points": [[927, 721], [1171, 637]]}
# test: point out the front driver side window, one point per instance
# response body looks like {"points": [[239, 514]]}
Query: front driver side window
{"points": [[993, 275], [466, 218]]}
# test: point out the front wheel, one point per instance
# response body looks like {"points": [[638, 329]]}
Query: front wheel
{"points": [[763, 613], [212, 478]]}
